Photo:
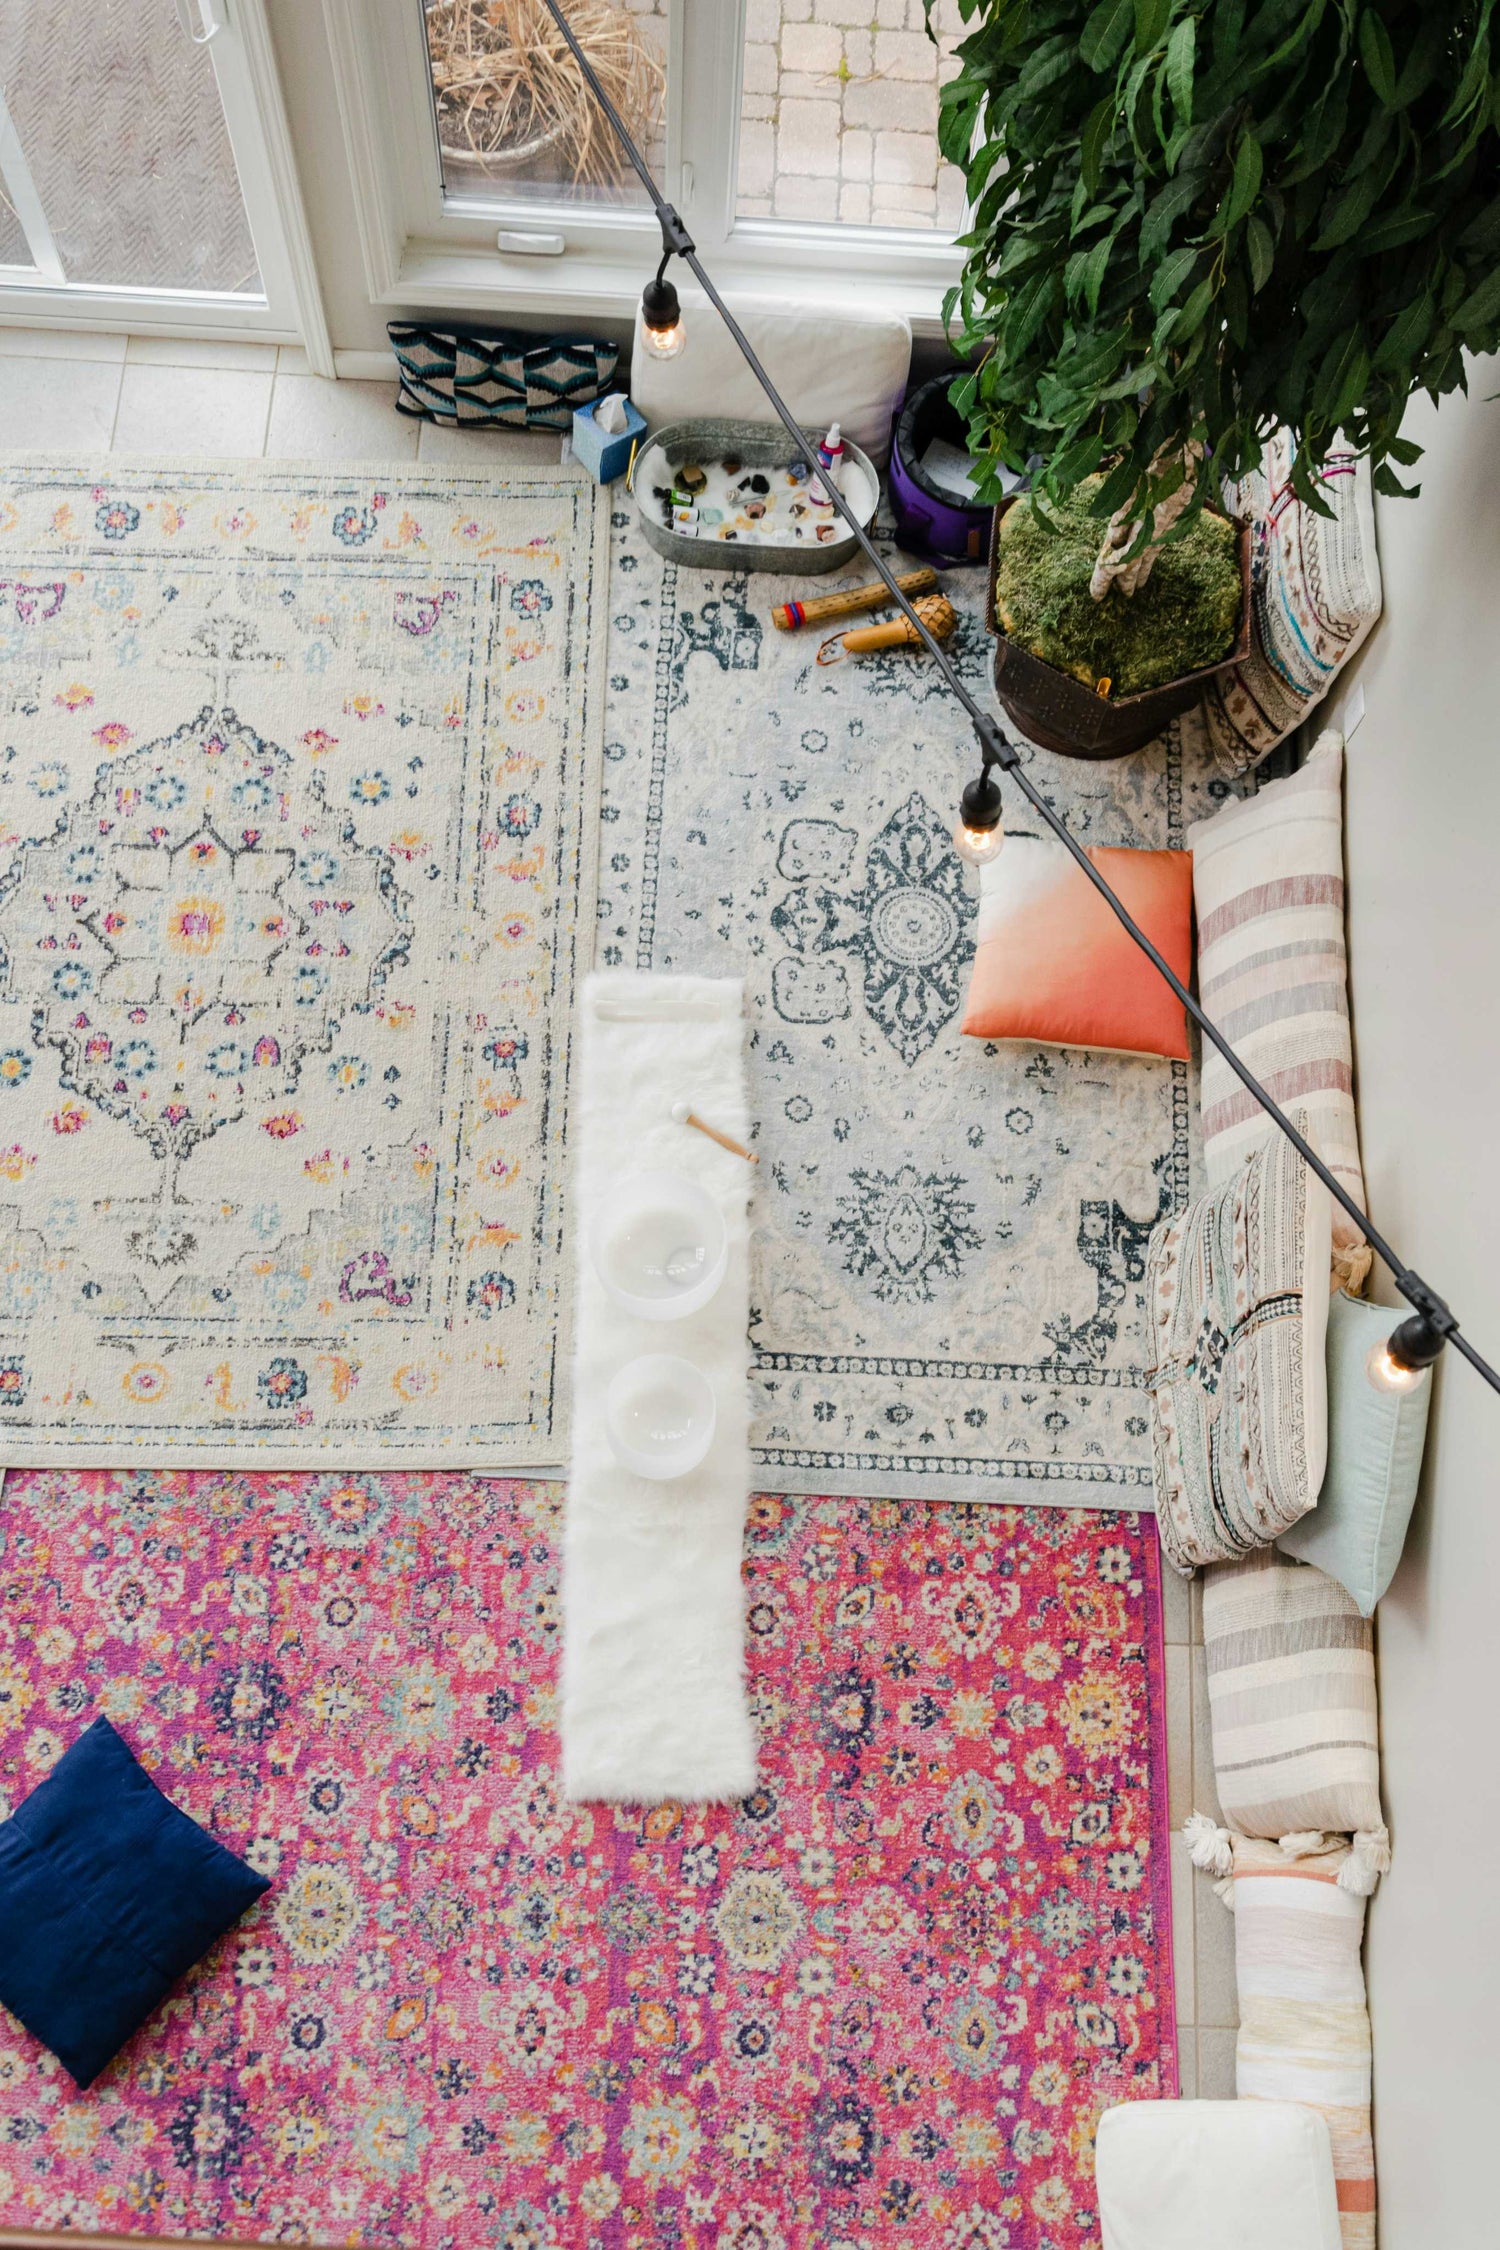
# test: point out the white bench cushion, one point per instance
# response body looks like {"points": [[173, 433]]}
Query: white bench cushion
{"points": [[1233, 2175], [833, 362]]}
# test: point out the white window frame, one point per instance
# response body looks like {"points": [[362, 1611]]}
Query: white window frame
{"points": [[288, 308], [425, 251]]}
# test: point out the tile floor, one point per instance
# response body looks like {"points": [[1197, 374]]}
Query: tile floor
{"points": [[76, 393], [71, 392], [1203, 1928]]}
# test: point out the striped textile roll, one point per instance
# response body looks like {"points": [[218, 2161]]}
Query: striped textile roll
{"points": [[1316, 595], [1268, 887], [1291, 1690], [1304, 2028]]}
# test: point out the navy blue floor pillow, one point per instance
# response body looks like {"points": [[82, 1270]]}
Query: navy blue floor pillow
{"points": [[108, 1894]]}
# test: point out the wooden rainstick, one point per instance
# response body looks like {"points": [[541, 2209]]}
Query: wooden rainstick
{"points": [[792, 616]]}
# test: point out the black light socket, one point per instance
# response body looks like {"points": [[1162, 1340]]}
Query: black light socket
{"points": [[1416, 1342], [659, 306], [981, 804]]}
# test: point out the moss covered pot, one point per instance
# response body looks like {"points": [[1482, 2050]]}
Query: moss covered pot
{"points": [[1184, 618]]}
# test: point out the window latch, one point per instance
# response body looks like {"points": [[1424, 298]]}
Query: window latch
{"points": [[515, 243]]}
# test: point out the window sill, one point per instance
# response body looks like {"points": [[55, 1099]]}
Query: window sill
{"points": [[608, 287]]}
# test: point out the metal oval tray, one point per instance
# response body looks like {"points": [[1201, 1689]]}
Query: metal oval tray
{"points": [[760, 445]]}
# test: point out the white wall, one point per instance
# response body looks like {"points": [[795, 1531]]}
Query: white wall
{"points": [[1423, 844]]}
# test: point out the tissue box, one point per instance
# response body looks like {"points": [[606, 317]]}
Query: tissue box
{"points": [[604, 454]]}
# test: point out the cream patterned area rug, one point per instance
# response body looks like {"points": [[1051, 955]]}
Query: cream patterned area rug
{"points": [[299, 793], [947, 1275]]}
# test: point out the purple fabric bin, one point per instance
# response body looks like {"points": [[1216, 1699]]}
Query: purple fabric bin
{"points": [[928, 519]]}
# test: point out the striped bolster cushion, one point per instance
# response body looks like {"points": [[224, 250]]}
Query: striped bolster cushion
{"points": [[1304, 2027], [1268, 886], [1291, 1689]]}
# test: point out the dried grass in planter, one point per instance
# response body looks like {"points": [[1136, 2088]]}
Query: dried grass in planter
{"points": [[511, 96]]}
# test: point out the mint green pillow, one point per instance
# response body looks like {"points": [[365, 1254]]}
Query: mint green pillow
{"points": [[1375, 1440]]}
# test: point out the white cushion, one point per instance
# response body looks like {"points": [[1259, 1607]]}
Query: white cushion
{"points": [[1215, 2176], [830, 362]]}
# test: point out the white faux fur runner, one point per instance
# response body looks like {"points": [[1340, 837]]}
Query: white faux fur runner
{"points": [[654, 1701]]}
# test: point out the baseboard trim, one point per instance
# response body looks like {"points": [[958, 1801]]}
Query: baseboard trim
{"points": [[366, 367]]}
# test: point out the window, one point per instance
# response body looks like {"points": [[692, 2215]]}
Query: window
{"points": [[513, 117], [118, 124], [838, 115], [145, 170], [790, 141]]}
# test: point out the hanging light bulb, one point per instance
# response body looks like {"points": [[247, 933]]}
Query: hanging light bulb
{"points": [[978, 845], [979, 832], [662, 332], [1402, 1360], [1388, 1373]]}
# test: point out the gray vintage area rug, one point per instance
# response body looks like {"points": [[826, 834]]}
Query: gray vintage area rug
{"points": [[947, 1281]]}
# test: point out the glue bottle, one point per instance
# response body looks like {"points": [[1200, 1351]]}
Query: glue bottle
{"points": [[831, 462]]}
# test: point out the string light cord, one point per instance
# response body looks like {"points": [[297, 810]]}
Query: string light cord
{"points": [[997, 750]]}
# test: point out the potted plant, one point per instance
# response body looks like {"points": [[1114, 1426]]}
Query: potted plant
{"points": [[512, 101], [1193, 222]]}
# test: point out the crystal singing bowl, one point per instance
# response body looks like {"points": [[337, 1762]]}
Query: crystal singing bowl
{"points": [[660, 1415], [660, 1246]]}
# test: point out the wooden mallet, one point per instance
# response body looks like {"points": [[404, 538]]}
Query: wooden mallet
{"points": [[683, 1113]]}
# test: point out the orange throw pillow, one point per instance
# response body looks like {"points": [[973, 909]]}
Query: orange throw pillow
{"points": [[1053, 964]]}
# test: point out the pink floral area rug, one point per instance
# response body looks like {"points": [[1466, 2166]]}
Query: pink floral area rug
{"points": [[881, 2001]]}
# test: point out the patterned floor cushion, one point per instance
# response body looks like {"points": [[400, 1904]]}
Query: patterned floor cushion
{"points": [[1316, 596], [1268, 885], [1291, 1690], [1237, 1287], [1304, 2028]]}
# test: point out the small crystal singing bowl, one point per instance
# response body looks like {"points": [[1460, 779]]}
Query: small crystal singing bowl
{"points": [[660, 1415], [660, 1246]]}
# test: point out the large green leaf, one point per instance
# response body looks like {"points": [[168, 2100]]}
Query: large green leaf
{"points": [[1165, 209], [1348, 211], [1191, 315], [1181, 48], [1260, 246], [1050, 63], [1244, 185], [1482, 232], [1378, 57], [1172, 271], [1093, 143], [1096, 266], [1403, 226], [1104, 35], [1481, 308]]}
